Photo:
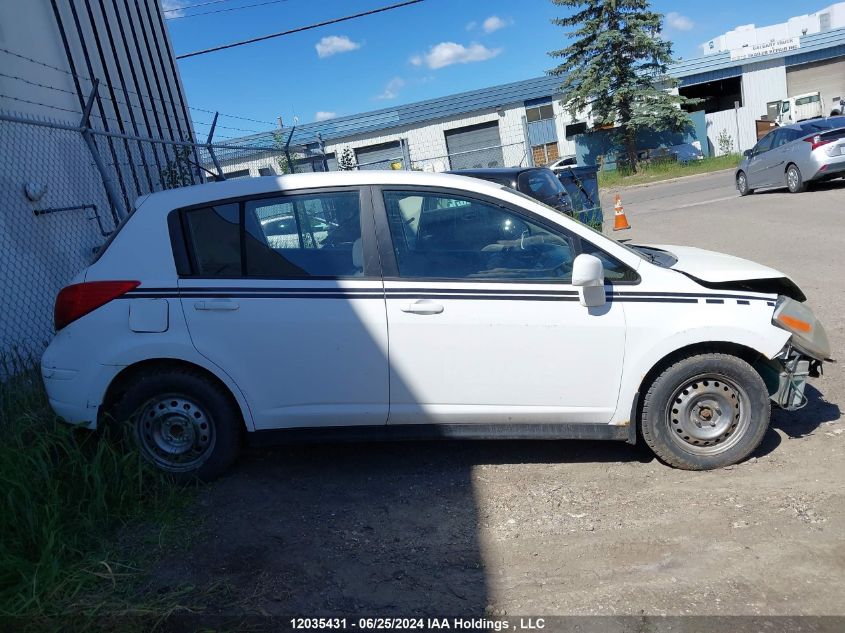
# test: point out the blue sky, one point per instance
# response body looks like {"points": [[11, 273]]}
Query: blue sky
{"points": [[426, 50]]}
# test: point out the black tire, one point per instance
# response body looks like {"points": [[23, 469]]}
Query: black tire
{"points": [[794, 180], [742, 184], [674, 419], [157, 404]]}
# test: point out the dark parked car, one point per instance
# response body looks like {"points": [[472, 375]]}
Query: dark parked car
{"points": [[538, 182]]}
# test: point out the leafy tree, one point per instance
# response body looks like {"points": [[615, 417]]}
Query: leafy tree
{"points": [[617, 64], [346, 162], [285, 166], [177, 172]]}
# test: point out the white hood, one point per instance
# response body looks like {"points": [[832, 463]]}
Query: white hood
{"points": [[716, 267]]}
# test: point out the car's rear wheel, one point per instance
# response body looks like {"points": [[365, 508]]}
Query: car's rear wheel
{"points": [[794, 181], [742, 184], [705, 411], [182, 422]]}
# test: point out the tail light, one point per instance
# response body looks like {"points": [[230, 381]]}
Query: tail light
{"points": [[77, 300], [818, 141]]}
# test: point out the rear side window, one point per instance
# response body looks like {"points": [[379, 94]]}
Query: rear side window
{"points": [[540, 184], [214, 236], [302, 236]]}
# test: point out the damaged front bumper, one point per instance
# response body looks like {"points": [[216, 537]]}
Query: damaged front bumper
{"points": [[786, 376]]}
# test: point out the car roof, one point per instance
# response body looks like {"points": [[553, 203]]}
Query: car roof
{"points": [[495, 171], [248, 187]]}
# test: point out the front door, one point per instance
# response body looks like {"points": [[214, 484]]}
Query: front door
{"points": [[758, 164], [484, 324], [284, 299]]}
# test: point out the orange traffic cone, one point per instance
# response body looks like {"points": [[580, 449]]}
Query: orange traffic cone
{"points": [[620, 222]]}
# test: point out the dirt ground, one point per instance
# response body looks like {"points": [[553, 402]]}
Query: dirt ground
{"points": [[553, 528]]}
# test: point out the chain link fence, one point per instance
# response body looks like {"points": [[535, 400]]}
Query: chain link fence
{"points": [[505, 155], [63, 190]]}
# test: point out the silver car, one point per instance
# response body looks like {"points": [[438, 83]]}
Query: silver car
{"points": [[793, 156]]}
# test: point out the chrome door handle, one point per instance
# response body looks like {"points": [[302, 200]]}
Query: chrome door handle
{"points": [[423, 306], [223, 305]]}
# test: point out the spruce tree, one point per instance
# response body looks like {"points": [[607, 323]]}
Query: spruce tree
{"points": [[617, 65]]}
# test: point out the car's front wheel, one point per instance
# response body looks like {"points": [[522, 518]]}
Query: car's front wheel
{"points": [[742, 184], [705, 411], [182, 422], [794, 180]]}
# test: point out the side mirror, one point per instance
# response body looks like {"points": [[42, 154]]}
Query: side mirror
{"points": [[588, 275], [748, 152]]}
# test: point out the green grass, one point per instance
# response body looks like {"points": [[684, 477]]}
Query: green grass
{"points": [[665, 170], [64, 495]]}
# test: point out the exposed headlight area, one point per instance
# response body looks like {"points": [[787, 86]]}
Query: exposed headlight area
{"points": [[808, 334]]}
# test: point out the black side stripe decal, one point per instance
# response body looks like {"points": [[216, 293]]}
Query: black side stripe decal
{"points": [[429, 293]]}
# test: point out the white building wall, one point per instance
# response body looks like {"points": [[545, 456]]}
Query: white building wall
{"points": [[48, 236], [831, 17], [427, 143], [565, 146], [762, 82]]}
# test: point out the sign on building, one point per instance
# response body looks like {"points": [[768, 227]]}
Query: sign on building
{"points": [[766, 48]]}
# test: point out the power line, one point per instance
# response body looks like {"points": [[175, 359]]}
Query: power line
{"points": [[125, 90], [194, 6], [246, 6], [299, 29]]}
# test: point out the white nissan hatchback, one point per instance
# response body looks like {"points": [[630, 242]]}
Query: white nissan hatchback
{"points": [[377, 304]]}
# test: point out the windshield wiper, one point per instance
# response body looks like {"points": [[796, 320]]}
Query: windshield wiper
{"points": [[645, 254]]}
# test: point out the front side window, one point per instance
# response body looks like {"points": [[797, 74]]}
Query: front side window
{"points": [[446, 236], [765, 143], [460, 238], [292, 236]]}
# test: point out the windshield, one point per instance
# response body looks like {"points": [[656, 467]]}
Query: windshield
{"points": [[541, 183], [642, 255]]}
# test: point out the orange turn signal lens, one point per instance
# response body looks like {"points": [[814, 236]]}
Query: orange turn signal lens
{"points": [[794, 323]]}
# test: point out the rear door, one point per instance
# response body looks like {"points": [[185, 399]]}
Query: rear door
{"points": [[284, 293]]}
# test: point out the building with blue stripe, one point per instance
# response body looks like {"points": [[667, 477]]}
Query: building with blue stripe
{"points": [[523, 122]]}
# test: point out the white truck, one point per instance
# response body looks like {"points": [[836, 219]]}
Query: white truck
{"points": [[794, 109]]}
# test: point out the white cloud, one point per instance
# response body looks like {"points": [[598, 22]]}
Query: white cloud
{"points": [[173, 8], [448, 53], [391, 90], [322, 115], [334, 44], [494, 23], [472, 25], [679, 22]]}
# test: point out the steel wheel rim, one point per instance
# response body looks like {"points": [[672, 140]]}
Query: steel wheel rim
{"points": [[792, 178], [175, 433], [708, 414], [742, 182]]}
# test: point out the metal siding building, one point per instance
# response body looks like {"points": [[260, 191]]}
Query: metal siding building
{"points": [[422, 130]]}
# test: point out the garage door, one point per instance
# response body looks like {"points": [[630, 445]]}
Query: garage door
{"points": [[379, 156], [826, 77], [475, 146]]}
